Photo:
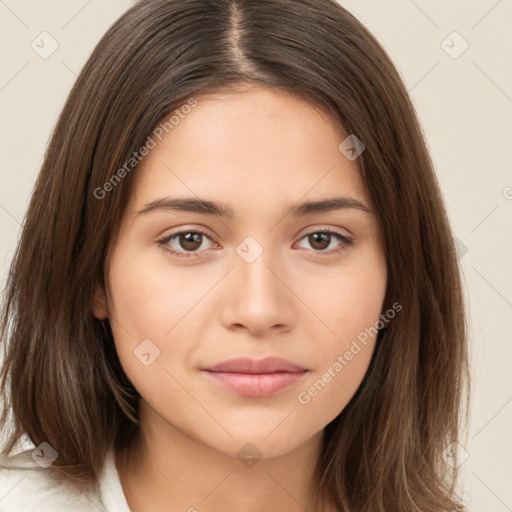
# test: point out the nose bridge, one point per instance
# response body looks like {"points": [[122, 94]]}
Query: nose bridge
{"points": [[257, 297], [253, 267]]}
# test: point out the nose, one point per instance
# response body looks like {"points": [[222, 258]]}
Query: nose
{"points": [[258, 296]]}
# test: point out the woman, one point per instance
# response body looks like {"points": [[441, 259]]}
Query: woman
{"points": [[236, 284]]}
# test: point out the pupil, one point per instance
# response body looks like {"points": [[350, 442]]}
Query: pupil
{"points": [[190, 241], [317, 239]]}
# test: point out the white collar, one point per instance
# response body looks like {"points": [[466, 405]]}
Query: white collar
{"points": [[111, 491]]}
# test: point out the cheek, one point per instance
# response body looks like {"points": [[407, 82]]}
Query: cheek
{"points": [[342, 363], [152, 300], [146, 303], [349, 304], [349, 299], [148, 296], [324, 397]]}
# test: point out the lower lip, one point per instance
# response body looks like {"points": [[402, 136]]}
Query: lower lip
{"points": [[256, 384]]}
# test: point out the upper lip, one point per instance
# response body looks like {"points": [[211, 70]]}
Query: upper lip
{"points": [[247, 365]]}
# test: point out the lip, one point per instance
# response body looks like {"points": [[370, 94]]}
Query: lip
{"points": [[256, 378], [247, 365]]}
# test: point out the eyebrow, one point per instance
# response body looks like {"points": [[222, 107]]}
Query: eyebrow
{"points": [[196, 205]]}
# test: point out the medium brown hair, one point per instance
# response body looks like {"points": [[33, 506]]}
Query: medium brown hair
{"points": [[62, 380]]}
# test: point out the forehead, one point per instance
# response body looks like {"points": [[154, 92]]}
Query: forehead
{"points": [[249, 147]]}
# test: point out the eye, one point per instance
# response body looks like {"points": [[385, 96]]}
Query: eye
{"points": [[321, 240], [189, 240]]}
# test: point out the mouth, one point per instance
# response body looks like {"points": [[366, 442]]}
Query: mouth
{"points": [[249, 377]]}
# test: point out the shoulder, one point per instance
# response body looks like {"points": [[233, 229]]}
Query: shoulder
{"points": [[25, 486]]}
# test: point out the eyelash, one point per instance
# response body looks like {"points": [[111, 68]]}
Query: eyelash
{"points": [[163, 242]]}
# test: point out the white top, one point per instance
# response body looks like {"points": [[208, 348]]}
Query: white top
{"points": [[26, 486]]}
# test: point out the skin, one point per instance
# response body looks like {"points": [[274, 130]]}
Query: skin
{"points": [[259, 151]]}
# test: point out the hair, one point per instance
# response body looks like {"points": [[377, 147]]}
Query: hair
{"points": [[61, 379]]}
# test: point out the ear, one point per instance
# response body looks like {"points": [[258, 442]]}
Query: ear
{"points": [[100, 309]]}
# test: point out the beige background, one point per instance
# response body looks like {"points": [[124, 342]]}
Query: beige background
{"points": [[464, 104]]}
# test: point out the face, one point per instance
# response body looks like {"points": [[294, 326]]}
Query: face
{"points": [[189, 288]]}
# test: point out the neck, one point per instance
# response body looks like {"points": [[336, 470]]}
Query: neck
{"points": [[166, 470]]}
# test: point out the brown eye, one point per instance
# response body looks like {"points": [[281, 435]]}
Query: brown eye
{"points": [[190, 241], [319, 241], [184, 243]]}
